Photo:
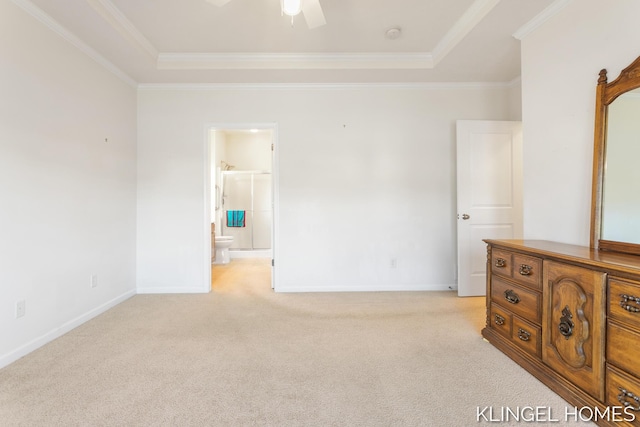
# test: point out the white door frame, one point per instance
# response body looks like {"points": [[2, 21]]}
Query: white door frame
{"points": [[275, 180]]}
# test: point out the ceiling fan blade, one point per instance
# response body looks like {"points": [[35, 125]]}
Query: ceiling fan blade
{"points": [[312, 12], [218, 3]]}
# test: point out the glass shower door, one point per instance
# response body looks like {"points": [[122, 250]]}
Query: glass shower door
{"points": [[237, 197], [262, 211], [250, 193]]}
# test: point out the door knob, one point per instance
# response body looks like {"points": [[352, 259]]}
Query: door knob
{"points": [[465, 216]]}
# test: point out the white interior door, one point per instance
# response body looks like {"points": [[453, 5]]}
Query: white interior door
{"points": [[489, 172]]}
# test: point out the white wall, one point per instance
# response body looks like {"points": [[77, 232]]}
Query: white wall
{"points": [[365, 175], [515, 101], [560, 65], [249, 151], [68, 198]]}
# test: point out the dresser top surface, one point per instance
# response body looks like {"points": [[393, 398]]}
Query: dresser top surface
{"points": [[581, 254]]}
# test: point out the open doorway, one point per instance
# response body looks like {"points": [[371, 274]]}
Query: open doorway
{"points": [[242, 200]]}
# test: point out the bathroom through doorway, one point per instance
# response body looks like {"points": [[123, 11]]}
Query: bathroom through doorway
{"points": [[242, 198]]}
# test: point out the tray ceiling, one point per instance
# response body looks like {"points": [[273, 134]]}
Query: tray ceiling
{"points": [[249, 41]]}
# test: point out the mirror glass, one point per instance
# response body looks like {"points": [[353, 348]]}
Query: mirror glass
{"points": [[621, 174], [615, 193]]}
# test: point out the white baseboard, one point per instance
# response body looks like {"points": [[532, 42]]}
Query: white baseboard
{"points": [[391, 287], [32, 345]]}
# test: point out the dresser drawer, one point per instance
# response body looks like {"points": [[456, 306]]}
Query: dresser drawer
{"points": [[622, 390], [624, 301], [521, 301], [526, 335], [500, 320], [524, 269], [527, 270], [501, 262], [623, 348]]}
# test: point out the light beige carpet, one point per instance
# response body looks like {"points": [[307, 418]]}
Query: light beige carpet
{"points": [[245, 356]]}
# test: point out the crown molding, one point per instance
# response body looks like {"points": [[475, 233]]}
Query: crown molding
{"points": [[122, 25], [319, 86], [463, 26], [549, 12], [423, 60], [67, 35], [293, 61], [296, 61]]}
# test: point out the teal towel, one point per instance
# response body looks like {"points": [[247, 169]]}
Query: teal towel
{"points": [[235, 218]]}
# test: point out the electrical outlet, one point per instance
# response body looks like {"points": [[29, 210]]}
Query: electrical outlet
{"points": [[394, 262], [94, 280], [21, 308]]}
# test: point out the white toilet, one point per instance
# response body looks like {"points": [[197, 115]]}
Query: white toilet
{"points": [[223, 243]]}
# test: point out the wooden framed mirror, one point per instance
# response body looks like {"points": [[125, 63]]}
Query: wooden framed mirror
{"points": [[615, 201]]}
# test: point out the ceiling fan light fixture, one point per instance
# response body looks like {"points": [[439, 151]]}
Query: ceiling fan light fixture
{"points": [[291, 7]]}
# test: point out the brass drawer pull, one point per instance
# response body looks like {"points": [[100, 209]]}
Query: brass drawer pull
{"points": [[511, 296], [499, 320], [526, 270], [566, 325], [622, 398], [523, 335], [626, 299], [501, 262]]}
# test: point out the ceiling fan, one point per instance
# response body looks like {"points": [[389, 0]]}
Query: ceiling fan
{"points": [[311, 10]]}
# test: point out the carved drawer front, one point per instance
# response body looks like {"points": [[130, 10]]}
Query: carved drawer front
{"points": [[623, 348], [501, 262], [573, 325], [500, 320], [624, 390], [526, 335], [527, 270], [624, 301], [521, 301]]}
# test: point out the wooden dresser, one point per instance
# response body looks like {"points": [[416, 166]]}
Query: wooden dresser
{"points": [[569, 315]]}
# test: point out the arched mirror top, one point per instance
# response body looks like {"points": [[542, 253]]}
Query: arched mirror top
{"points": [[615, 207], [628, 80]]}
